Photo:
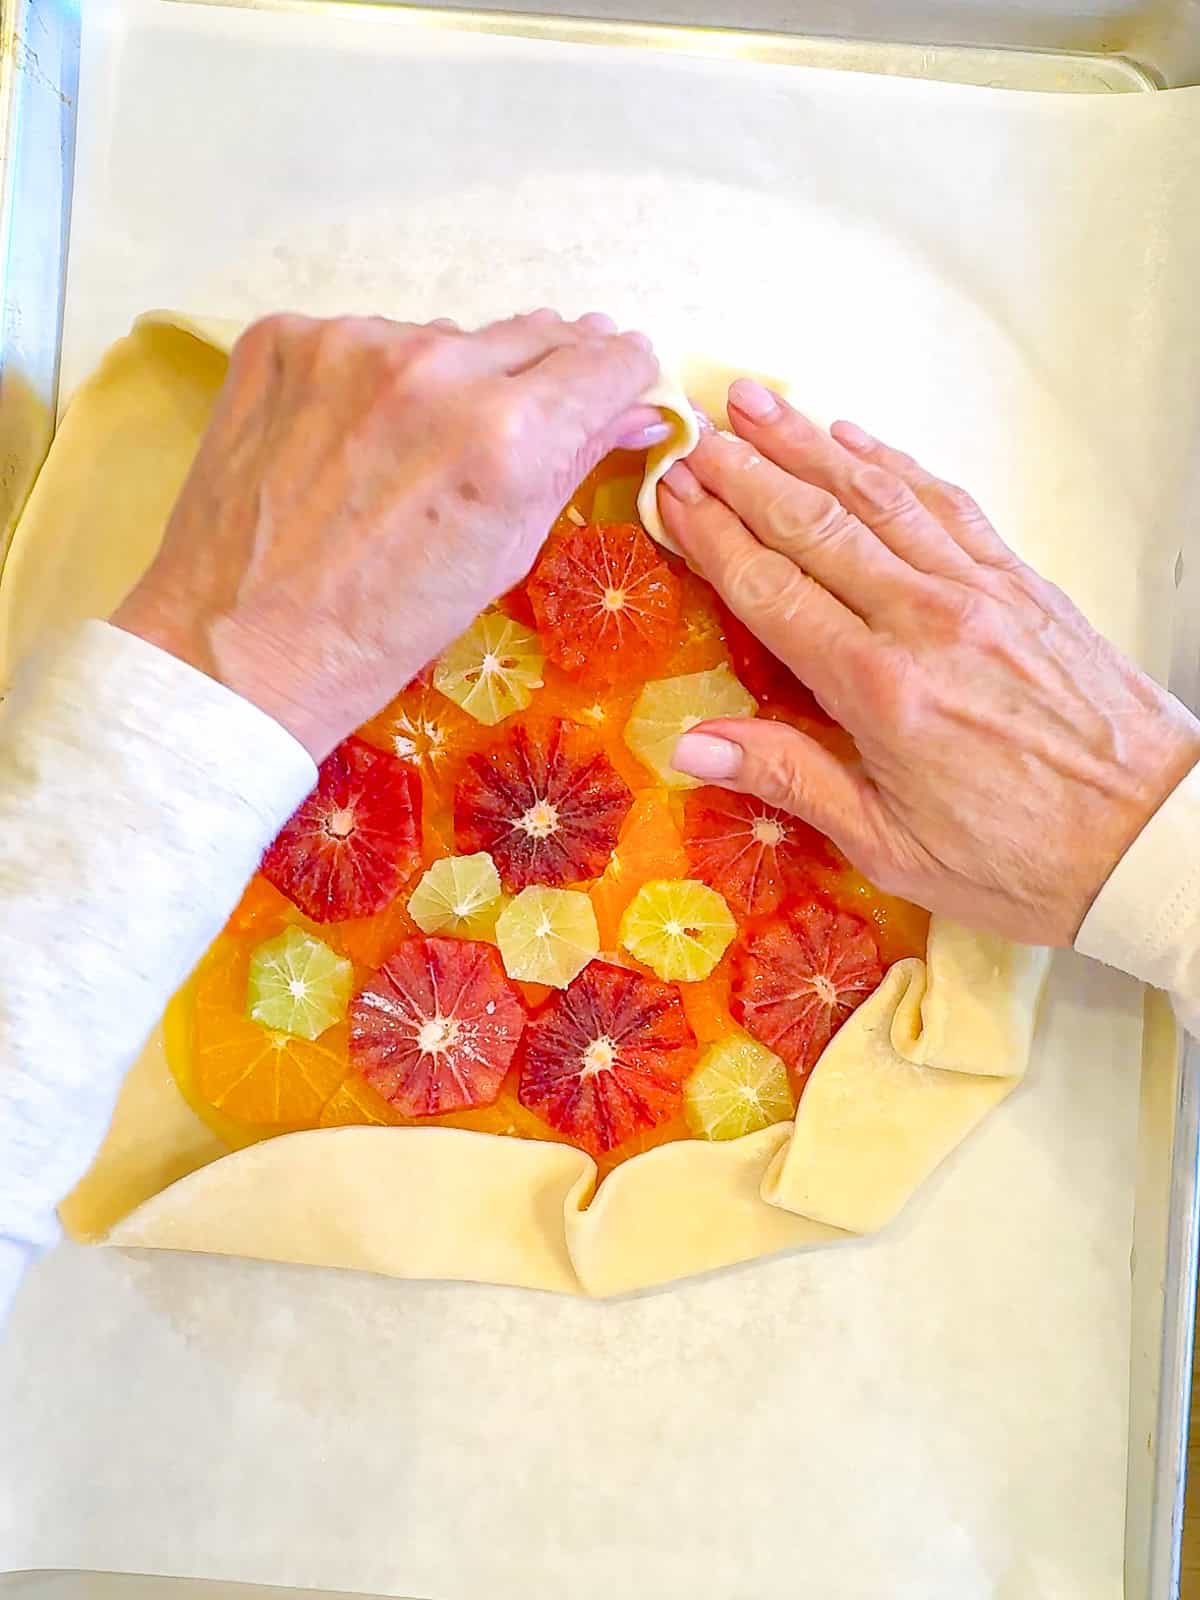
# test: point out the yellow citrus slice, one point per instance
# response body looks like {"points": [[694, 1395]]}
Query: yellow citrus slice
{"points": [[738, 1087], [492, 669], [547, 935], [668, 707], [298, 985], [459, 895], [677, 927]]}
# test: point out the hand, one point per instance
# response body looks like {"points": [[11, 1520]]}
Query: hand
{"points": [[1008, 754], [366, 487]]}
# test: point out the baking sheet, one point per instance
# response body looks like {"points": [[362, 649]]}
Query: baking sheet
{"points": [[1000, 281]]}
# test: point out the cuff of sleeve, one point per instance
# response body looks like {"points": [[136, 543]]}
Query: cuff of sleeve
{"points": [[1152, 899], [230, 743]]}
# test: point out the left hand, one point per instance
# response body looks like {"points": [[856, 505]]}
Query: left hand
{"points": [[366, 487]]}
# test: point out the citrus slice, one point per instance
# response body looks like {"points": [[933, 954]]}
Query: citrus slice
{"points": [[668, 707], [678, 928], [355, 841], [257, 1078], [749, 850], [424, 729], [547, 808], [547, 935], [738, 1087], [491, 670], [298, 984], [607, 1057], [800, 976], [605, 601], [436, 1027], [459, 895], [649, 847]]}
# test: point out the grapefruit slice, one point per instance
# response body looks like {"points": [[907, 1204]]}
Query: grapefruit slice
{"points": [[547, 935], [355, 841], [298, 984], [606, 604], [491, 670], [459, 895], [678, 928], [800, 976], [607, 1057], [437, 1026], [548, 809], [749, 850], [668, 707], [738, 1087]]}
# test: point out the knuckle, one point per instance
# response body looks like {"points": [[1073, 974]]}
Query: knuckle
{"points": [[960, 505], [502, 434], [265, 335], [807, 522], [891, 501], [417, 361], [754, 583]]}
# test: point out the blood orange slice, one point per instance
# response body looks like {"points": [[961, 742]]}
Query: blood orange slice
{"points": [[607, 1057], [436, 1028], [606, 603], [749, 850], [355, 841], [800, 976], [547, 809]]}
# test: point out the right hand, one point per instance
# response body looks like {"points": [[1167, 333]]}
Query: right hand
{"points": [[1009, 755], [366, 487]]}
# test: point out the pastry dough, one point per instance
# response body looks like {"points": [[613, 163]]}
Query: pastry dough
{"points": [[906, 1078]]}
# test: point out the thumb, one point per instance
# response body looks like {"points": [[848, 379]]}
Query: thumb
{"points": [[786, 768]]}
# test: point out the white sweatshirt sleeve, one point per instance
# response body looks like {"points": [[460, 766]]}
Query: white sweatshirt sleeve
{"points": [[136, 797], [1146, 919]]}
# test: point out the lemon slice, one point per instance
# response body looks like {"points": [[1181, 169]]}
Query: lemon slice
{"points": [[298, 985], [547, 935], [668, 707], [459, 895], [738, 1087], [678, 927], [492, 669]]}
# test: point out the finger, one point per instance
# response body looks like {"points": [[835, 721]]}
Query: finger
{"points": [[954, 507], [517, 344], [786, 768], [808, 525], [796, 618], [880, 499], [586, 386]]}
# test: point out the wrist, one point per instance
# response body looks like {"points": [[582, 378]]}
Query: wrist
{"points": [[248, 661]]}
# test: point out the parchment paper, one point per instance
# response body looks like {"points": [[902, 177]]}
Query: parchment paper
{"points": [[1003, 283]]}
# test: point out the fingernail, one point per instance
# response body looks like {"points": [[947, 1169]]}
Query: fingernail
{"points": [[642, 438], [683, 483], [853, 437], [705, 756], [753, 400]]}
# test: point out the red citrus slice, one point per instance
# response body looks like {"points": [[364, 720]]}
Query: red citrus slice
{"points": [[547, 808], [606, 602], [424, 729], [436, 1028], [800, 976], [749, 850], [773, 685], [355, 841], [607, 1057]]}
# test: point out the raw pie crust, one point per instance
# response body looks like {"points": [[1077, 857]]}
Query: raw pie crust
{"points": [[907, 1077]]}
